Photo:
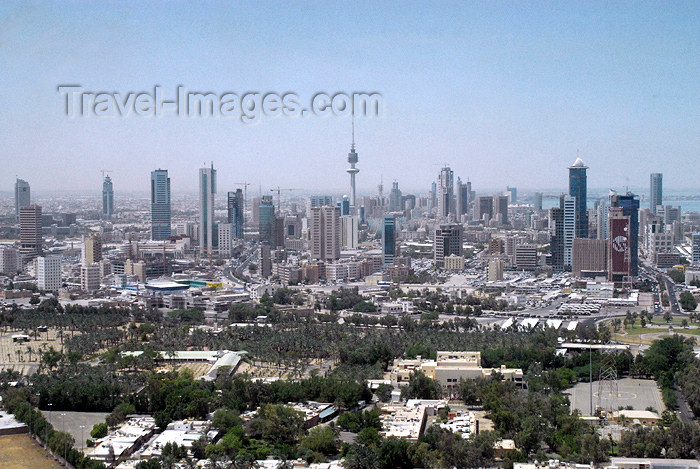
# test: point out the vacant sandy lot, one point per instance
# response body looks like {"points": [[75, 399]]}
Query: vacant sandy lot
{"points": [[20, 452]]}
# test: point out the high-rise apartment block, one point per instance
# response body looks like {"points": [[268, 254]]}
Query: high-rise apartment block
{"points": [[325, 233]]}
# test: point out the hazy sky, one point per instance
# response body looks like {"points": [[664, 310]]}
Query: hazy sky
{"points": [[505, 92]]}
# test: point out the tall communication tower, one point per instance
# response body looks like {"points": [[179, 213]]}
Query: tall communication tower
{"points": [[607, 382]]}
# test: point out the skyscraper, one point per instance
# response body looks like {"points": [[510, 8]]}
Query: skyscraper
{"points": [[655, 191], [695, 247], [160, 205], [570, 205], [512, 193], [603, 215], [630, 208], [235, 204], [578, 188], [463, 197], [538, 201], [22, 195], [352, 171], [208, 236], [388, 241], [266, 215], [325, 233], [556, 231], [445, 192], [107, 197], [31, 239], [348, 228], [395, 195], [92, 249], [448, 241]]}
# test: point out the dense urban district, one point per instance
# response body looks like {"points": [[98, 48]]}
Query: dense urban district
{"points": [[283, 328]]}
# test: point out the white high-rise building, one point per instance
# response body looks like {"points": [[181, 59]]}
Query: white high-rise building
{"points": [[10, 260], [603, 217], [207, 194], [225, 239], [48, 273], [569, 227], [348, 228]]}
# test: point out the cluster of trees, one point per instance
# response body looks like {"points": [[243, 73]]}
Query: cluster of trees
{"points": [[17, 402], [688, 301], [240, 393], [680, 440]]}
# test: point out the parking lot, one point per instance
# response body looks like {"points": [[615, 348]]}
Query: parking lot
{"points": [[638, 393]]}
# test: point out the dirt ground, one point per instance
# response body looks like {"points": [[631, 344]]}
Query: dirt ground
{"points": [[25, 357], [20, 452]]}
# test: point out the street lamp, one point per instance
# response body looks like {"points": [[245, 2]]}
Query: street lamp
{"points": [[63, 429], [82, 440]]}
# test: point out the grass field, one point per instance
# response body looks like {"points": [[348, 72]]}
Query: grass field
{"points": [[20, 451]]}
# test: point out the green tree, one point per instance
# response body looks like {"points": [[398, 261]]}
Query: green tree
{"points": [[321, 440], [421, 387]]}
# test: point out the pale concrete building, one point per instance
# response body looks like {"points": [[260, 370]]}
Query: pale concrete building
{"points": [[48, 273], [90, 277]]}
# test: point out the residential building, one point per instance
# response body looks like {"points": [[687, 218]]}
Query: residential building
{"points": [[325, 233]]}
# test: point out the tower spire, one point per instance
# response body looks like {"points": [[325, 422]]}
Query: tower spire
{"points": [[352, 146]]}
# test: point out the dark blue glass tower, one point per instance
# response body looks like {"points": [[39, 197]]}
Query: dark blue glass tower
{"points": [[388, 241], [577, 188]]}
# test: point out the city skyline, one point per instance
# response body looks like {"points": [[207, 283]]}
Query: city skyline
{"points": [[614, 82]]}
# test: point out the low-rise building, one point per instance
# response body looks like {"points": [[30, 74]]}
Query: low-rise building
{"points": [[448, 368]]}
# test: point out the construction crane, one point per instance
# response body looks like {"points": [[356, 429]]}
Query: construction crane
{"points": [[279, 191], [245, 194], [103, 171]]}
